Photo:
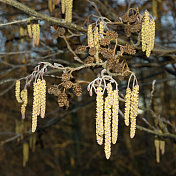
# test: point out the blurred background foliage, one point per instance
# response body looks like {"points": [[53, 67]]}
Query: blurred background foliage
{"points": [[65, 143]]}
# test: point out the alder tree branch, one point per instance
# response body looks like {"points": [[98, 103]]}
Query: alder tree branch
{"points": [[41, 16]]}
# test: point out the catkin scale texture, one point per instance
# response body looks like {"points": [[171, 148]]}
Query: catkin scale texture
{"points": [[127, 106], [90, 36], [115, 109], [25, 100], [134, 110], [43, 98], [99, 116], [107, 128], [17, 92]]}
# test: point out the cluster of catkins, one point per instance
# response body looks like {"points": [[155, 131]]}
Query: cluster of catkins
{"points": [[66, 7], [148, 33], [21, 97], [34, 33], [110, 106], [131, 108], [39, 101]]}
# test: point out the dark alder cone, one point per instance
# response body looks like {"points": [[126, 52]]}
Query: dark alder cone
{"points": [[80, 49], [132, 18], [66, 77], [58, 32], [125, 18], [54, 90], [128, 49], [127, 30], [105, 41], [109, 64], [67, 84], [89, 60], [135, 28], [62, 99], [121, 78], [112, 35], [77, 89], [106, 53], [92, 51]]}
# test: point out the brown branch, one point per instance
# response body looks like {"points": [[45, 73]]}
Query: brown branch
{"points": [[41, 16]]}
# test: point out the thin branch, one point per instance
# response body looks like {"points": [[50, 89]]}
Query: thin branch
{"points": [[41, 16]]}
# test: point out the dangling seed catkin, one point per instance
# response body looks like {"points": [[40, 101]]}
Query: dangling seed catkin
{"points": [[134, 110], [69, 7], [107, 128], [157, 145], [127, 106], [36, 107], [29, 29], [17, 92], [144, 31], [110, 93], [115, 109], [34, 33], [25, 100], [101, 27], [90, 36], [25, 153], [43, 98], [99, 116], [37, 34], [63, 2]]}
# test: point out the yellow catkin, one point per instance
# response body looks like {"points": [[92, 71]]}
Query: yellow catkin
{"points": [[22, 33], [127, 106], [157, 145], [17, 91], [115, 109], [25, 153], [96, 38], [68, 13], [35, 108], [107, 128], [34, 34], [134, 110], [144, 30], [101, 27], [43, 98], [110, 93], [152, 39], [162, 147], [99, 116], [90, 36], [37, 34], [29, 29], [25, 101], [51, 5], [63, 4]]}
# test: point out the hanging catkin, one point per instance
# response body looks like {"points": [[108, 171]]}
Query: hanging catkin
{"points": [[36, 107], [68, 13], [25, 153], [90, 36], [144, 30], [99, 116], [63, 4], [43, 98], [115, 109], [107, 128], [134, 110], [29, 29], [17, 92], [110, 93], [24, 98], [101, 27], [127, 106]]}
